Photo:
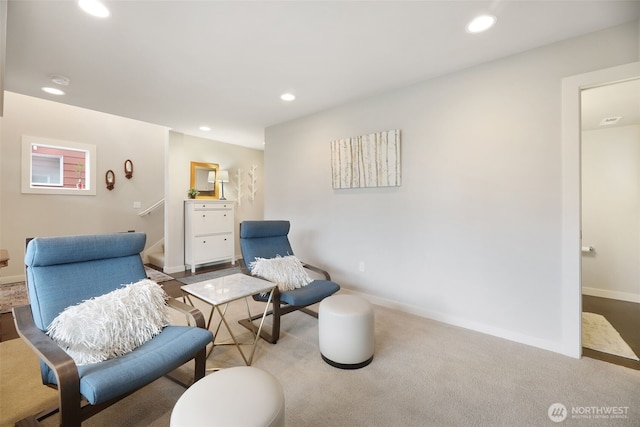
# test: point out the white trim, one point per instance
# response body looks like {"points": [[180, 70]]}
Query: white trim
{"points": [[571, 209], [173, 269], [5, 280], [607, 293], [456, 321]]}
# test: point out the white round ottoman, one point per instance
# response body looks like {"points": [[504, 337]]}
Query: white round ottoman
{"points": [[241, 396], [345, 331]]}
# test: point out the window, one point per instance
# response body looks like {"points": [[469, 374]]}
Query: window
{"points": [[47, 170], [57, 167]]}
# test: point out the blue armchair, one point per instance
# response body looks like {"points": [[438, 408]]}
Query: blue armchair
{"points": [[268, 239], [64, 271]]}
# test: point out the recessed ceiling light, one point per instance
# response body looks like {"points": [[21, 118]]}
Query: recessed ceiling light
{"points": [[287, 97], [53, 91], [205, 128], [94, 8], [481, 23]]}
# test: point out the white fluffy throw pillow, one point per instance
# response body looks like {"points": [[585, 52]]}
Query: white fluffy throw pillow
{"points": [[287, 272], [113, 324]]}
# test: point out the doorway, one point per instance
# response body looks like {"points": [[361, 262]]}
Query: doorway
{"points": [[610, 178], [571, 238]]}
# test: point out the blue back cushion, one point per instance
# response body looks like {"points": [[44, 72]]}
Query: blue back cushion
{"points": [[64, 271], [264, 239]]}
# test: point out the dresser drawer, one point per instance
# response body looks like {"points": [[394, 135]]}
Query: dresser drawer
{"points": [[212, 248], [208, 221]]}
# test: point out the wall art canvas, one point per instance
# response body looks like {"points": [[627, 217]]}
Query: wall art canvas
{"points": [[366, 161]]}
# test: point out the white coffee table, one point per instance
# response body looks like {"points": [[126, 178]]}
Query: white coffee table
{"points": [[220, 292]]}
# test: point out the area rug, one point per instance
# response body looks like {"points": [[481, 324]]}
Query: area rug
{"points": [[157, 276], [598, 334], [13, 295], [209, 275]]}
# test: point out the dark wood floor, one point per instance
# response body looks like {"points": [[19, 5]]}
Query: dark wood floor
{"points": [[7, 328], [624, 316]]}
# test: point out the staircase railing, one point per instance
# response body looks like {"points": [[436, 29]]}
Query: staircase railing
{"points": [[157, 205]]}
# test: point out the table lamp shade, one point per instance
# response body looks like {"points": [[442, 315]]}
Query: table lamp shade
{"points": [[223, 176]]}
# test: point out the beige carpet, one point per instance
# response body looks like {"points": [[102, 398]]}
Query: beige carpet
{"points": [[424, 373], [598, 334], [21, 390]]}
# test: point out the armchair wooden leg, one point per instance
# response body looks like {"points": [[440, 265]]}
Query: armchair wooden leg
{"points": [[264, 334], [275, 327], [277, 312], [200, 362], [69, 397]]}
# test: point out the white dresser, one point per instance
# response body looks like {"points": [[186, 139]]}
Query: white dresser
{"points": [[209, 232]]}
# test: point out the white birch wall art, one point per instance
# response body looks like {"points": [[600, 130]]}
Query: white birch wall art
{"points": [[253, 182], [238, 186], [366, 161]]}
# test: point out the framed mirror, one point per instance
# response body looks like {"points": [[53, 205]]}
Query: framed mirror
{"points": [[204, 179], [58, 167]]}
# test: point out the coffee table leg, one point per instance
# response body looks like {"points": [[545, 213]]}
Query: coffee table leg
{"points": [[257, 334]]}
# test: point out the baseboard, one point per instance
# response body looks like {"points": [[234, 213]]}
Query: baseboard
{"points": [[606, 293], [174, 269], [12, 279], [553, 346]]}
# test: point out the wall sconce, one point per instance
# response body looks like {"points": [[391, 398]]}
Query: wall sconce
{"points": [[128, 168], [223, 176], [110, 179]]}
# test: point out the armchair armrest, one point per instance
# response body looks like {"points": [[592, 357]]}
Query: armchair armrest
{"points": [[192, 313], [62, 365], [317, 270]]}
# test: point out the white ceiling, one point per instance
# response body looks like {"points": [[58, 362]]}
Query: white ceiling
{"points": [[183, 64]]}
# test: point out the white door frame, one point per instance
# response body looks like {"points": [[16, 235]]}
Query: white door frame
{"points": [[571, 197]]}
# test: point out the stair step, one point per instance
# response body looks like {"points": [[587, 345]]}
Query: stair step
{"points": [[157, 259]]}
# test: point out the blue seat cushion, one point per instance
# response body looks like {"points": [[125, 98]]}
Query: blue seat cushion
{"points": [[310, 294], [100, 382]]}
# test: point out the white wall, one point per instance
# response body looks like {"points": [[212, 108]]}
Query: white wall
{"points": [[117, 139], [611, 212], [473, 235], [181, 151], [161, 161]]}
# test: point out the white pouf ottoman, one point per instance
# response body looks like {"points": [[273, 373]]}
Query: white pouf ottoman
{"points": [[346, 331], [241, 396]]}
